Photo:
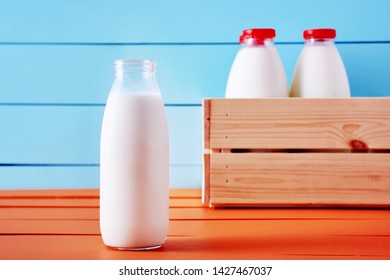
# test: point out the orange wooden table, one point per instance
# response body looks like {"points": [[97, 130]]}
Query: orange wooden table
{"points": [[64, 224]]}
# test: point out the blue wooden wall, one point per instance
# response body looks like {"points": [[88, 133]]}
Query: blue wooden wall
{"points": [[56, 71]]}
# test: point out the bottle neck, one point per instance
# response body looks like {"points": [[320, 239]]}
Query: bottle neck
{"points": [[319, 42], [135, 76], [255, 42], [134, 68], [140, 76]]}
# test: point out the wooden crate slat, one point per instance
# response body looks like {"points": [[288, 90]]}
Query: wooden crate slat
{"points": [[295, 123], [356, 179]]}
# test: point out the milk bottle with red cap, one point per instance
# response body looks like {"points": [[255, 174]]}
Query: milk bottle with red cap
{"points": [[320, 70], [257, 70]]}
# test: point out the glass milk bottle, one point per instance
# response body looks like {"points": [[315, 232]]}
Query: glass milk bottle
{"points": [[134, 160], [320, 70], [257, 69]]}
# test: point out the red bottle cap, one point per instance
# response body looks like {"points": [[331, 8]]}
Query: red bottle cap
{"points": [[320, 33], [257, 33]]}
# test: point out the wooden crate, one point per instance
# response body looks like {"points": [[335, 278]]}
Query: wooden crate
{"points": [[297, 152]]}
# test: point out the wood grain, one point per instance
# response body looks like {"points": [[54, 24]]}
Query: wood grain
{"points": [[206, 178], [343, 124], [206, 123], [195, 232], [304, 179], [170, 22]]}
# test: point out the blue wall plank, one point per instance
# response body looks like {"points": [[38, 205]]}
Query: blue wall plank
{"points": [[368, 68], [60, 55], [71, 135], [186, 74], [70, 177], [48, 177], [50, 134], [186, 21], [84, 74]]}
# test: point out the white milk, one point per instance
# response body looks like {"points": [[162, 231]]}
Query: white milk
{"points": [[257, 72], [134, 178], [320, 72]]}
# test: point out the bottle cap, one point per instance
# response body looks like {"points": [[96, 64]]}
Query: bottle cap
{"points": [[320, 33], [257, 33]]}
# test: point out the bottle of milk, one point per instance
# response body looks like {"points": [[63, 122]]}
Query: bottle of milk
{"points": [[320, 71], [134, 160], [257, 69]]}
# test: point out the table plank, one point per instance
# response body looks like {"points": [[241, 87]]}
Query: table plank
{"points": [[94, 193], [199, 247], [238, 228], [84, 198], [278, 214], [50, 202], [40, 213], [65, 225], [82, 202], [202, 213], [50, 193]]}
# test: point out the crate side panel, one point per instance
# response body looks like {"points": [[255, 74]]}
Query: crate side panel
{"points": [[355, 123], [206, 124], [206, 179], [300, 179]]}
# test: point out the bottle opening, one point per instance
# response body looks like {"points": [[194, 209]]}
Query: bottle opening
{"points": [[135, 65]]}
